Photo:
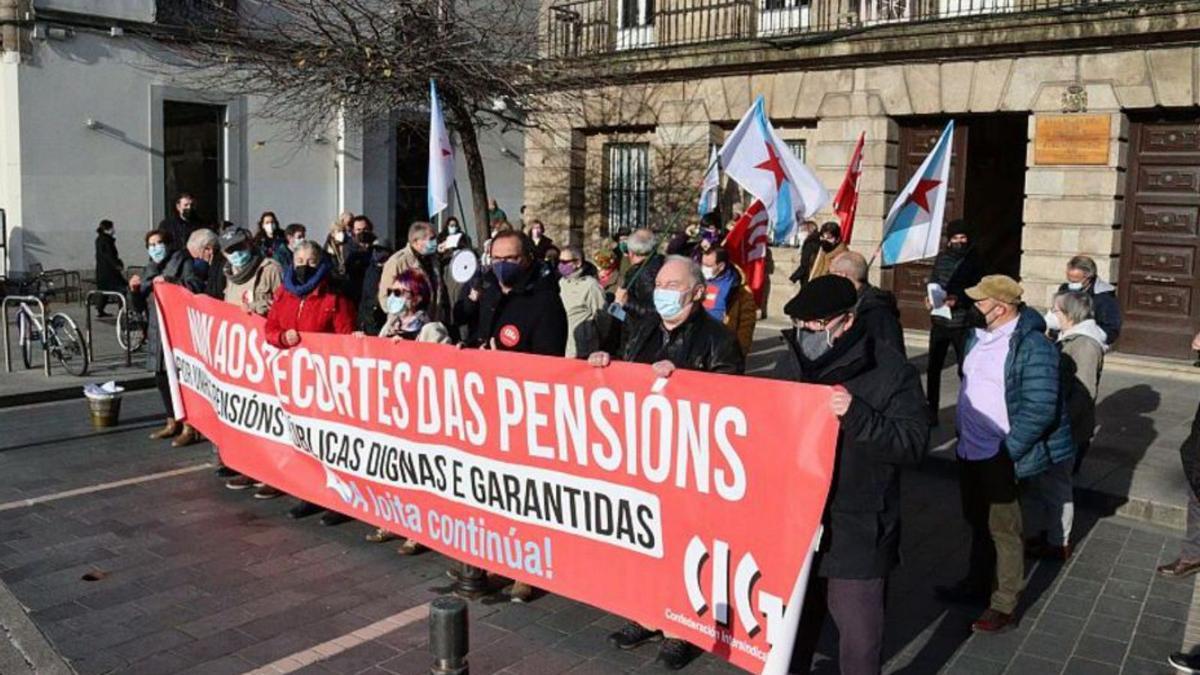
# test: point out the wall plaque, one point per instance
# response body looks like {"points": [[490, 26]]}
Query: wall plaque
{"points": [[1071, 139]]}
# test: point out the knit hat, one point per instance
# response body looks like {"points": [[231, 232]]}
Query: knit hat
{"points": [[957, 226], [996, 287], [821, 298]]}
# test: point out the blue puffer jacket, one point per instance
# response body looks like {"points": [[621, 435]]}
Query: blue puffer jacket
{"points": [[1039, 429]]}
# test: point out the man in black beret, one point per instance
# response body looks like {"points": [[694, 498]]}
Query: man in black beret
{"points": [[877, 396]]}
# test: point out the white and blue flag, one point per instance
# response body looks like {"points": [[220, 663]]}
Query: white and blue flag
{"points": [[913, 227], [710, 186], [757, 158], [441, 157]]}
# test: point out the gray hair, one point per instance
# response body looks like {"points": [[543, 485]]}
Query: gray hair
{"points": [[1075, 305], [201, 239], [852, 265], [641, 242], [318, 253], [419, 229], [1084, 264], [693, 267]]}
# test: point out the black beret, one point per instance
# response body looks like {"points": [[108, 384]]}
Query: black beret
{"points": [[958, 226], [821, 298]]}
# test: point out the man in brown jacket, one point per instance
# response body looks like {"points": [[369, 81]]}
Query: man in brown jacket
{"points": [[421, 255], [726, 297]]}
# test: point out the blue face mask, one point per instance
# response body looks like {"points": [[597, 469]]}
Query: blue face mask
{"points": [[506, 271], [1075, 285], [157, 252], [239, 259], [429, 248], [668, 303], [396, 304], [201, 266]]}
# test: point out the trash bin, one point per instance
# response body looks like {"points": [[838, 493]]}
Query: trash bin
{"points": [[105, 410], [104, 403]]}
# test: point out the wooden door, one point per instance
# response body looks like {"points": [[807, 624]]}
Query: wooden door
{"points": [[917, 138], [1159, 289]]}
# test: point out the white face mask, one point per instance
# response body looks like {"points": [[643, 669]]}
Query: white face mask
{"points": [[709, 271], [1075, 285]]}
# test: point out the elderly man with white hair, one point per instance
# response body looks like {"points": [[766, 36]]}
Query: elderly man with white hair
{"points": [[678, 334]]}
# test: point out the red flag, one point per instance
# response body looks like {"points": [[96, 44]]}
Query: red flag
{"points": [[747, 245], [846, 201]]}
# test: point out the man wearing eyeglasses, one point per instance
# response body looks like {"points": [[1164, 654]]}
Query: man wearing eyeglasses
{"points": [[516, 308]]}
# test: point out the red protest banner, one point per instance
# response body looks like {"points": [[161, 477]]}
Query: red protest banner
{"points": [[690, 507]]}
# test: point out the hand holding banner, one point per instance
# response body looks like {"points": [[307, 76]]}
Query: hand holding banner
{"points": [[692, 509]]}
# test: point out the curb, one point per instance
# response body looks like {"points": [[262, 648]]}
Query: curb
{"points": [[68, 393], [26, 640]]}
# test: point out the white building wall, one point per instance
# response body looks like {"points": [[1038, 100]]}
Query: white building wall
{"points": [[504, 169], [10, 150], [70, 176]]}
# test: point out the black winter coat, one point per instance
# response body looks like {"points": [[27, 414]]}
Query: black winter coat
{"points": [[639, 282], [178, 229], [530, 318], [956, 272], [877, 311], [808, 253], [885, 428], [700, 343], [370, 315], [110, 271]]}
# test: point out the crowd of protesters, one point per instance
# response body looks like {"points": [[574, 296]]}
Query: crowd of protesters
{"points": [[1024, 417]]}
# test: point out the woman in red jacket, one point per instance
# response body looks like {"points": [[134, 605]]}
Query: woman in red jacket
{"points": [[307, 302]]}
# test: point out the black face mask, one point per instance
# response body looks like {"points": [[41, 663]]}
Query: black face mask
{"points": [[976, 317], [828, 246], [303, 273], [956, 247]]}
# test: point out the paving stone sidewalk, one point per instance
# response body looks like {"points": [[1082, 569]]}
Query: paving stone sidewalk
{"points": [[194, 578]]}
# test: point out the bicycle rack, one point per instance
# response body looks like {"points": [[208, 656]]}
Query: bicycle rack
{"points": [[87, 308], [14, 299]]}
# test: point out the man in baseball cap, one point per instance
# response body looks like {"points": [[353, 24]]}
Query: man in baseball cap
{"points": [[1013, 426], [877, 396]]}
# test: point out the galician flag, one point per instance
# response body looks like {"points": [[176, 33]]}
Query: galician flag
{"points": [[914, 224], [710, 186], [762, 164], [441, 157]]}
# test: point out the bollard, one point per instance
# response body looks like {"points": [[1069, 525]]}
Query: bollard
{"points": [[448, 639], [470, 582]]}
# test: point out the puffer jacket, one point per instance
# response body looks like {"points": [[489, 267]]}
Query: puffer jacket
{"points": [[741, 312], [321, 310], [1039, 432], [885, 429], [699, 343]]}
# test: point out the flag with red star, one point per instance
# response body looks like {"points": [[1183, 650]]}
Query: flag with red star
{"points": [[762, 164], [441, 157], [914, 224]]}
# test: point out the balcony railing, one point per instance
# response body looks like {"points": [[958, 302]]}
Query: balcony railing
{"points": [[589, 27]]}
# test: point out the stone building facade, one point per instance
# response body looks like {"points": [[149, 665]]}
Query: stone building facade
{"points": [[1079, 132]]}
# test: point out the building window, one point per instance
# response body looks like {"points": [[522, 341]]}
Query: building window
{"points": [[635, 23], [196, 14], [782, 16], [885, 11], [628, 186]]}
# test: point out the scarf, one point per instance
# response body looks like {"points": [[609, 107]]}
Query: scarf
{"points": [[246, 273], [289, 281]]}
